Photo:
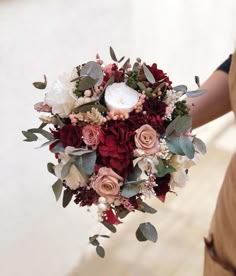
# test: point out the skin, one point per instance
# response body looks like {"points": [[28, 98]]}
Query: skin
{"points": [[215, 103]]}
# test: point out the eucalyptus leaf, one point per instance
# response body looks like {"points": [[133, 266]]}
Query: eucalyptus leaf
{"points": [[100, 251], [126, 64], [135, 67], [149, 231], [86, 83], [58, 148], [163, 168], [80, 151], [135, 174], [104, 236], [57, 188], [121, 59], [172, 126], [50, 167], [93, 240], [109, 226], [67, 196], [113, 55], [139, 235], [89, 161], [196, 93], [141, 86], [48, 143], [43, 132], [88, 107], [187, 146], [182, 88], [148, 74], [131, 188], [123, 213], [200, 145], [173, 145], [42, 125], [183, 124], [40, 85], [197, 80], [94, 70], [148, 209], [30, 137], [66, 168]]}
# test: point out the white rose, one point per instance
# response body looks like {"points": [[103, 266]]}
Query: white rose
{"points": [[120, 97], [74, 179], [60, 96]]}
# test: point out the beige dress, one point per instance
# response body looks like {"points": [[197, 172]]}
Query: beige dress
{"points": [[220, 252]]}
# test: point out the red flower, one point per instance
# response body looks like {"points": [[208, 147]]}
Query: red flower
{"points": [[71, 136], [112, 70], [111, 218], [116, 147], [136, 120], [155, 106], [163, 187], [159, 75]]}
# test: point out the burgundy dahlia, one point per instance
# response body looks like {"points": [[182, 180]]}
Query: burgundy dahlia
{"points": [[71, 136], [115, 149], [86, 197], [155, 106], [159, 75]]}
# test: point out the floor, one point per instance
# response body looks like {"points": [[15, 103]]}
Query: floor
{"points": [[37, 236]]}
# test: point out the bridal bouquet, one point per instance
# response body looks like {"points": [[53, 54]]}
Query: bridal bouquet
{"points": [[120, 134]]}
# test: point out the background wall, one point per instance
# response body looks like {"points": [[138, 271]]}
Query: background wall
{"points": [[185, 38]]}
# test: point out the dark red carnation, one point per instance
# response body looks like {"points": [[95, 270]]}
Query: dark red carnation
{"points": [[119, 75], [155, 106], [86, 197], [163, 186], [136, 120], [71, 136], [111, 218], [159, 75], [116, 148]]}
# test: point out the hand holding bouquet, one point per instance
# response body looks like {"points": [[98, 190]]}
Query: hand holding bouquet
{"points": [[120, 134]]}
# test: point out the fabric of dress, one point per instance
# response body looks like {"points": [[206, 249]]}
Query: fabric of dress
{"points": [[220, 250]]}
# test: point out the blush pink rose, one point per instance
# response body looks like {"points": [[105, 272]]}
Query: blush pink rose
{"points": [[107, 183], [91, 135], [146, 139]]}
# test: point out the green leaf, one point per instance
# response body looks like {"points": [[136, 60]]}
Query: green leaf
{"points": [[139, 235], [126, 64], [30, 137], [57, 188], [197, 80], [50, 167], [179, 88], [141, 86], [93, 240], [187, 146], [121, 59], [41, 85], [104, 236], [131, 188], [43, 132], [88, 107], [42, 125], [200, 145], [148, 209], [173, 145], [86, 83], [100, 251], [196, 93], [66, 169], [93, 70], [48, 143], [80, 151], [58, 148], [109, 226], [113, 55], [135, 174], [148, 231], [67, 196], [122, 214], [89, 161], [172, 126], [183, 124], [135, 67], [163, 168], [148, 74]]}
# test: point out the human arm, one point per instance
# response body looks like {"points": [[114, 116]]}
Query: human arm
{"points": [[214, 103]]}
